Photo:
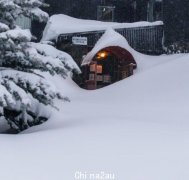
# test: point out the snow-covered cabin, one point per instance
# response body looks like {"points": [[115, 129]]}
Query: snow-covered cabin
{"points": [[174, 14], [104, 10], [74, 35], [108, 62]]}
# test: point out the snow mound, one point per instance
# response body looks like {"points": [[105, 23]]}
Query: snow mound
{"points": [[137, 129], [109, 38], [63, 24]]}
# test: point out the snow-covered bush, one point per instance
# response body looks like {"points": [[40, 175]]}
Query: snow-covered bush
{"points": [[178, 47], [21, 84]]}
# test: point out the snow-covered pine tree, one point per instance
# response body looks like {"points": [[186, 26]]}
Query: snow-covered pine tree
{"points": [[20, 59]]}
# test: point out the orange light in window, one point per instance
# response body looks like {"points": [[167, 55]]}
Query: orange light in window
{"points": [[102, 55]]}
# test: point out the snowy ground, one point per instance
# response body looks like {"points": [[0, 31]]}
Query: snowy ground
{"points": [[137, 129]]}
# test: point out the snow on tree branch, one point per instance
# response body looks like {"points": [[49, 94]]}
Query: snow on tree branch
{"points": [[12, 9], [20, 85]]}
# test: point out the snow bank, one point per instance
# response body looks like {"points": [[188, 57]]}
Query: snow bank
{"points": [[137, 129], [63, 24]]}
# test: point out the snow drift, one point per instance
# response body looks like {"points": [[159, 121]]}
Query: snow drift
{"points": [[137, 129]]}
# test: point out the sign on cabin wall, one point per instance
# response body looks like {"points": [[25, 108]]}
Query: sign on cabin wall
{"points": [[79, 40]]}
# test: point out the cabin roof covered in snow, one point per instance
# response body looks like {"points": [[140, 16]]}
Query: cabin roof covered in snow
{"points": [[109, 38], [63, 24]]}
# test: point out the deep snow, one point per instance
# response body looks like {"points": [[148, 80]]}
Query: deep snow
{"points": [[137, 129]]}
